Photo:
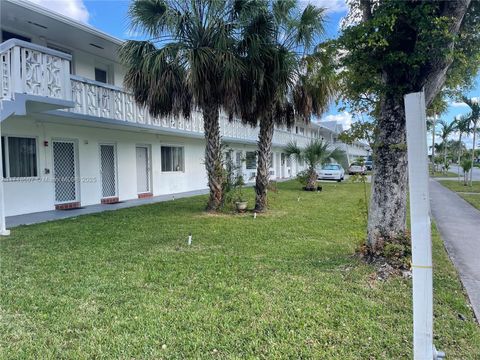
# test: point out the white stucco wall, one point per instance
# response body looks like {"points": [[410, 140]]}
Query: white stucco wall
{"points": [[37, 194]]}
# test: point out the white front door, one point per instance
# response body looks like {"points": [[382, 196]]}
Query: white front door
{"points": [[143, 167], [65, 171], [108, 170]]}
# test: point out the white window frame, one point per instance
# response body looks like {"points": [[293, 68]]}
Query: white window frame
{"points": [[161, 159], [6, 155]]}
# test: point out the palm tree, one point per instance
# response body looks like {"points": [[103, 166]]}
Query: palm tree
{"points": [[187, 63], [463, 127], [474, 116], [466, 167], [284, 79], [446, 130], [316, 153]]}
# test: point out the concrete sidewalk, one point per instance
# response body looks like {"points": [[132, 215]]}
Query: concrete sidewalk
{"points": [[459, 225], [39, 217]]}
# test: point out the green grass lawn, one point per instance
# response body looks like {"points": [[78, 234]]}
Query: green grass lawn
{"points": [[448, 174], [124, 285], [462, 190]]}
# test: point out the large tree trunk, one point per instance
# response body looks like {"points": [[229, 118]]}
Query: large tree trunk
{"points": [[388, 205], [213, 157], [265, 138]]}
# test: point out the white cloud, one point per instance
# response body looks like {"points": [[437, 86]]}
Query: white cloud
{"points": [[74, 9], [331, 6], [344, 118], [456, 104]]}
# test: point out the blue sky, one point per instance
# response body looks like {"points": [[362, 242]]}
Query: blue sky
{"points": [[110, 16]]}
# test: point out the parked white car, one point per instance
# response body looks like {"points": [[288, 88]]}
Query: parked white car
{"points": [[331, 172], [357, 169]]}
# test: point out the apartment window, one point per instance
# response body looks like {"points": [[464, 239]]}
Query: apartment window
{"points": [[172, 158], [238, 159], [100, 75], [19, 157], [65, 51], [251, 160], [7, 35]]}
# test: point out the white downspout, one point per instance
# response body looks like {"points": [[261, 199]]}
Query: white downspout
{"points": [[423, 348]]}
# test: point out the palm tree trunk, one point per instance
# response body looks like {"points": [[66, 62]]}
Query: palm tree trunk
{"points": [[433, 143], [445, 155], [473, 151], [265, 138], [213, 157], [388, 206], [312, 179], [459, 155]]}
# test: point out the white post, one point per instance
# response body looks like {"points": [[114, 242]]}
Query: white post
{"points": [[3, 227], [423, 348]]}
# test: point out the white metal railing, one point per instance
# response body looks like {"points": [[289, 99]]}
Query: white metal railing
{"points": [[102, 100], [28, 68], [33, 69]]}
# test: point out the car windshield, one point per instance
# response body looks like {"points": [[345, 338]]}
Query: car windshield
{"points": [[331, 167]]}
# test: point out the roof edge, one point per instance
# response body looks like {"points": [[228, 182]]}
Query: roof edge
{"points": [[69, 21]]}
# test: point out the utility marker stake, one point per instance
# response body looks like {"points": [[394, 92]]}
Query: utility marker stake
{"points": [[190, 239], [423, 348], [255, 215]]}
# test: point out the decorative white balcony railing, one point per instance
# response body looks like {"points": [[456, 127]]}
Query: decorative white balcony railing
{"points": [[36, 70], [107, 101]]}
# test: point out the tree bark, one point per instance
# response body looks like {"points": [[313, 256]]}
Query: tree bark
{"points": [[433, 142], [312, 179], [213, 157], [459, 155], [265, 138], [473, 151], [388, 204], [455, 10]]}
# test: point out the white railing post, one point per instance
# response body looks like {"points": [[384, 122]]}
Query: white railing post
{"points": [[16, 66], [67, 84], [422, 271]]}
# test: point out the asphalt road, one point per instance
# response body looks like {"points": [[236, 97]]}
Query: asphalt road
{"points": [[476, 172]]}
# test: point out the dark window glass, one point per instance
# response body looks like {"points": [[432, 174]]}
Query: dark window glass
{"points": [[172, 158], [100, 75], [4, 166], [22, 157], [251, 160], [7, 35]]}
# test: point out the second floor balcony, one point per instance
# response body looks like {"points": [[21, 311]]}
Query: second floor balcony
{"points": [[29, 69]]}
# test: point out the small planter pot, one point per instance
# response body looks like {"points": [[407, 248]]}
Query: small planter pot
{"points": [[241, 206]]}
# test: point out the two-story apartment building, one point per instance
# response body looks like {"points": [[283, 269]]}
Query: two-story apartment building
{"points": [[72, 136]]}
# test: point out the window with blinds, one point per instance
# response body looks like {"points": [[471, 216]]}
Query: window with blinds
{"points": [[172, 158]]}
